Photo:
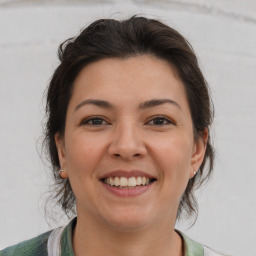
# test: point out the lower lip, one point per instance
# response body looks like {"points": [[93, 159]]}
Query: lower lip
{"points": [[128, 192]]}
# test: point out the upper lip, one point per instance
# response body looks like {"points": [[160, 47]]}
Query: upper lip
{"points": [[127, 174]]}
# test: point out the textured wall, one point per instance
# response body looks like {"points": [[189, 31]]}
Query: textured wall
{"points": [[223, 34]]}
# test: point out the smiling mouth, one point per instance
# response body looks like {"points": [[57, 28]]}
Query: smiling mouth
{"points": [[128, 183]]}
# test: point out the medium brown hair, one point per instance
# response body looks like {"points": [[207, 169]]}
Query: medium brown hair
{"points": [[109, 38]]}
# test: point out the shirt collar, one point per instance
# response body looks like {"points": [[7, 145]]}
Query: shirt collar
{"points": [[191, 247], [66, 239]]}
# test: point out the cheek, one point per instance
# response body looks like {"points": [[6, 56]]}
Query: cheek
{"points": [[174, 153], [83, 154], [173, 157]]}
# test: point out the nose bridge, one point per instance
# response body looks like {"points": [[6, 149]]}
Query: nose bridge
{"points": [[127, 141]]}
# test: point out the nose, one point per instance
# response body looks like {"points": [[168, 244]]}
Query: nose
{"points": [[127, 143]]}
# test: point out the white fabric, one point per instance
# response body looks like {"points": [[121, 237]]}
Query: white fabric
{"points": [[53, 244], [210, 252]]}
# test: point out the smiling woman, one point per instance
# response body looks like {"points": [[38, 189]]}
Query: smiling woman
{"points": [[128, 135]]}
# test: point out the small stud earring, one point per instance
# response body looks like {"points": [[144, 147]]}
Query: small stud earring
{"points": [[60, 172]]}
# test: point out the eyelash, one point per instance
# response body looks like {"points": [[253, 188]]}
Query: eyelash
{"points": [[86, 121], [162, 118]]}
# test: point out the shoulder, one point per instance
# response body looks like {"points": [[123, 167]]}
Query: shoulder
{"points": [[35, 246], [59, 238], [193, 248]]}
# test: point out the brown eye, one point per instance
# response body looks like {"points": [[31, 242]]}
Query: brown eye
{"points": [[161, 120]]}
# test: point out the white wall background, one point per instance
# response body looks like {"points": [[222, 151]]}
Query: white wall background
{"points": [[223, 33]]}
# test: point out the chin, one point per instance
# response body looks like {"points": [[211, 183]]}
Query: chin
{"points": [[128, 220]]}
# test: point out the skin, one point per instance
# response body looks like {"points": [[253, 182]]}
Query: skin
{"points": [[130, 138]]}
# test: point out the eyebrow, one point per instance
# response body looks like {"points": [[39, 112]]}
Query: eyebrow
{"points": [[157, 102], [143, 105], [99, 103]]}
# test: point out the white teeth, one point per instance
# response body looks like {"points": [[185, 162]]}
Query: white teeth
{"points": [[132, 182], [123, 181], [111, 181], [126, 182], [138, 181], [117, 183]]}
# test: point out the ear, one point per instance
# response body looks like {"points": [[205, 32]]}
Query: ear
{"points": [[198, 152], [60, 145]]}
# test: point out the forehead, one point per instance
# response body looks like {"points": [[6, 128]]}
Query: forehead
{"points": [[135, 78]]}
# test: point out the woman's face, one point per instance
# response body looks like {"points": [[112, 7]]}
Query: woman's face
{"points": [[128, 123]]}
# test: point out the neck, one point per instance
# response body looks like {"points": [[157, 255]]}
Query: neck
{"points": [[92, 238]]}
